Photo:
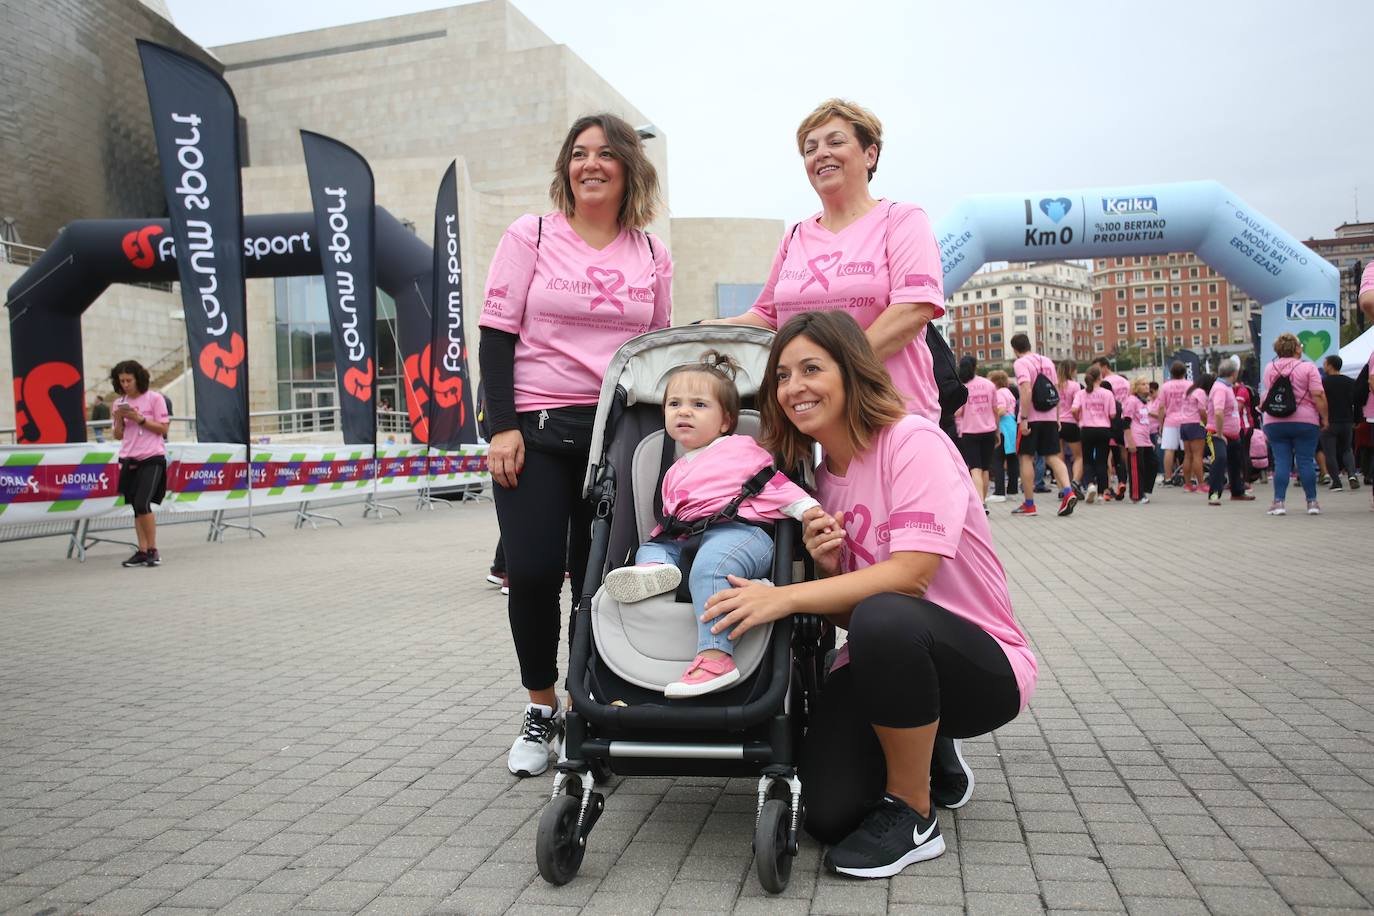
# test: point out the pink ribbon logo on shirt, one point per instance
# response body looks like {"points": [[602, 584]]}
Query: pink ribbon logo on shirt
{"points": [[818, 265], [607, 283], [853, 543]]}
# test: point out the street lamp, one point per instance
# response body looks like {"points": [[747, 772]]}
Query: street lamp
{"points": [[1160, 325]]}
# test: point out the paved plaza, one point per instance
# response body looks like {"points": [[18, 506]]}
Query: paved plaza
{"points": [[317, 723]]}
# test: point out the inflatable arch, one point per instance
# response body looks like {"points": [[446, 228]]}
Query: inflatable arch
{"points": [[47, 301], [1298, 290]]}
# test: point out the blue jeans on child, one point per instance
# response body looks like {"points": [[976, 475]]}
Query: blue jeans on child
{"points": [[731, 549], [1290, 442]]}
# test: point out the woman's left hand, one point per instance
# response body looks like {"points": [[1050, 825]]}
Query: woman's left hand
{"points": [[749, 604]]}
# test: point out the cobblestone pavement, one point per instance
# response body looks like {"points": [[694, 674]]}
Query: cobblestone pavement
{"points": [[317, 723]]}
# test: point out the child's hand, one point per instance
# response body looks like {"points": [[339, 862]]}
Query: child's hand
{"points": [[810, 515]]}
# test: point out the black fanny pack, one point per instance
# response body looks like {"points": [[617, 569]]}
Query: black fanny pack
{"points": [[560, 431]]}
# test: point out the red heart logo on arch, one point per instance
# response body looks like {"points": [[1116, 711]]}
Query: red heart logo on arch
{"points": [[138, 246], [358, 382], [220, 364]]}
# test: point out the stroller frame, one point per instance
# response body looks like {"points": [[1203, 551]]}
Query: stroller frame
{"points": [[762, 732]]}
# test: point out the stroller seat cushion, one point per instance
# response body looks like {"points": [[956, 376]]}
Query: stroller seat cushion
{"points": [[651, 642]]}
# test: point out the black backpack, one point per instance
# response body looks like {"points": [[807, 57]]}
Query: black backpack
{"points": [[953, 394], [1280, 400], [1044, 396]]}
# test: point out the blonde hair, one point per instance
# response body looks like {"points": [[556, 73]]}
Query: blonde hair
{"points": [[721, 370], [642, 199], [867, 128], [871, 402], [1287, 344]]}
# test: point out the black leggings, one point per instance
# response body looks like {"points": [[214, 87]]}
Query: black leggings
{"points": [[1141, 464], [911, 662], [1096, 444], [546, 527]]}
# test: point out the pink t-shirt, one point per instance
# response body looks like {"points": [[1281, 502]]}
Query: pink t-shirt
{"points": [[1154, 417], [887, 255], [1120, 387], [572, 305], [1139, 413], [138, 442], [910, 492], [1027, 368], [1367, 279], [705, 480], [1223, 400], [1369, 399], [1195, 406], [1173, 395], [977, 416], [1067, 392], [1305, 379], [1259, 449], [1096, 408], [1007, 401]]}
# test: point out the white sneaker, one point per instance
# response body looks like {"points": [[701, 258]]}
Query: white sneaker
{"points": [[1313, 508], [1092, 493], [1277, 509], [629, 584], [994, 498], [540, 736]]}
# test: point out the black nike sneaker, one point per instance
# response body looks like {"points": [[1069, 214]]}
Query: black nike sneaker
{"points": [[891, 837], [951, 778]]}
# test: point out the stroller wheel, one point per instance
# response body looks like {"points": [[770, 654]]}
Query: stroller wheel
{"points": [[558, 848], [771, 858]]}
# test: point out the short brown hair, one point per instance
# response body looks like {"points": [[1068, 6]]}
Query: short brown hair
{"points": [[1287, 344], [642, 199], [1178, 369], [130, 367], [998, 378], [721, 370], [866, 125], [871, 402]]}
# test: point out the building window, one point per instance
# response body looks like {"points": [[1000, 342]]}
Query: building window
{"points": [[1141, 327], [1197, 340], [1121, 294], [1141, 308], [1216, 322], [1121, 311], [981, 340], [1160, 308], [1020, 321], [1138, 292], [1099, 347], [1121, 327], [736, 298], [1197, 323], [1098, 330], [1193, 288], [1211, 287], [1178, 324], [1177, 308], [1215, 340], [1212, 305], [1192, 272], [1197, 306], [995, 321], [995, 337]]}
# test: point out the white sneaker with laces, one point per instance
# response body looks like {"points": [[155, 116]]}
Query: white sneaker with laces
{"points": [[540, 736], [1313, 508], [1277, 509]]}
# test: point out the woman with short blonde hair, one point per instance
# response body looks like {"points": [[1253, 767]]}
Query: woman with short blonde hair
{"points": [[874, 258]]}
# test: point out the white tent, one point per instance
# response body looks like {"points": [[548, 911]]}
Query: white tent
{"points": [[1355, 354]]}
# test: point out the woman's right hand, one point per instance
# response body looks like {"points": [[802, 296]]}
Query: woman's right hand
{"points": [[823, 534], [506, 457]]}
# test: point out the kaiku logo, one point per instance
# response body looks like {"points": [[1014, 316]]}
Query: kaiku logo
{"points": [[607, 283], [639, 294], [138, 247], [855, 269], [1128, 206], [1312, 311]]}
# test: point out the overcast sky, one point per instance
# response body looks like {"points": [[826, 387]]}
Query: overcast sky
{"points": [[1273, 99]]}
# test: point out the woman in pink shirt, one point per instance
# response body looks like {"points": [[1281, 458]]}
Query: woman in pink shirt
{"points": [[1140, 449], [1293, 435], [1007, 471], [1194, 437], [908, 568], [565, 290], [140, 422], [1095, 409], [873, 258], [977, 424], [1172, 414], [1068, 424]]}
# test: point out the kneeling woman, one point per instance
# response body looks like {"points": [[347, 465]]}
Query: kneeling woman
{"points": [[908, 567]]}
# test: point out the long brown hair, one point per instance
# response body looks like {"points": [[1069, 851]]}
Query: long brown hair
{"points": [[642, 198], [871, 402]]}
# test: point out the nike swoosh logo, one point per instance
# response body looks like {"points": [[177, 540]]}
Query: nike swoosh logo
{"points": [[920, 838]]}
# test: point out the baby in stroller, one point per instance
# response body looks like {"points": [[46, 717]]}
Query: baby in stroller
{"points": [[724, 489]]}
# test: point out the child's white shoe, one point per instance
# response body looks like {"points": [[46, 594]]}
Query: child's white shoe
{"points": [[629, 584]]}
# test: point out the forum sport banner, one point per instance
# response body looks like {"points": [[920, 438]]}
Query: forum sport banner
{"points": [[195, 121], [341, 189], [448, 423]]}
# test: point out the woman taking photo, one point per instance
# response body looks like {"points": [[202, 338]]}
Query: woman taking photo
{"points": [[565, 290], [870, 257], [139, 422], [908, 568]]}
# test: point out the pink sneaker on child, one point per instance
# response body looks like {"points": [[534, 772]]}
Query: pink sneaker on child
{"points": [[704, 675], [629, 584]]}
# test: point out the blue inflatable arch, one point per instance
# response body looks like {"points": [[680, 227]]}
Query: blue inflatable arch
{"points": [[1297, 289]]}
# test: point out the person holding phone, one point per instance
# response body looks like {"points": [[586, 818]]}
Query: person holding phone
{"points": [[140, 422]]}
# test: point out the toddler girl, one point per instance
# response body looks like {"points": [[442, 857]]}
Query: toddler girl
{"points": [[700, 408]]}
